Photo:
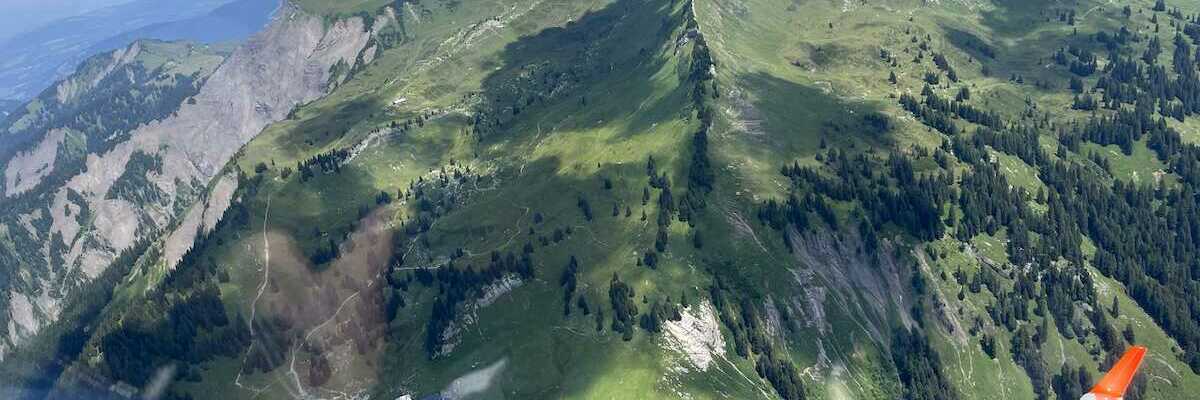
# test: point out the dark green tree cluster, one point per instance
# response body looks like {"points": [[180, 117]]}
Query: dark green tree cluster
{"points": [[326, 253], [194, 329], [434, 198], [585, 208], [1072, 382], [569, 281], [700, 174], [920, 367], [1026, 351], [133, 185], [621, 297], [930, 117], [182, 320], [1143, 82], [1084, 102], [1079, 60], [888, 191], [940, 61], [327, 162], [457, 285], [1146, 236], [651, 321], [781, 373], [956, 107]]}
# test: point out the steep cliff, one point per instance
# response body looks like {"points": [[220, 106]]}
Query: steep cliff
{"points": [[145, 184]]}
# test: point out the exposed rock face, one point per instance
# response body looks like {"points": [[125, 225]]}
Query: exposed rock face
{"points": [[26, 169], [697, 335], [287, 64], [837, 271], [70, 89], [202, 217]]}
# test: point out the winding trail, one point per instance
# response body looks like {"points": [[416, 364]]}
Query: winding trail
{"points": [[754, 383], [266, 265], [237, 381], [307, 336], [1089, 11]]}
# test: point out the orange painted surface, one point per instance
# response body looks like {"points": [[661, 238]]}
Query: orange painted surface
{"points": [[1113, 385]]}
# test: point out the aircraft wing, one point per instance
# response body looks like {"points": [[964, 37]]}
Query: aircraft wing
{"points": [[1112, 386]]}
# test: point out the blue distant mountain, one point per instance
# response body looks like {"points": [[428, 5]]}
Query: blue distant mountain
{"points": [[34, 60], [22, 16], [234, 21]]}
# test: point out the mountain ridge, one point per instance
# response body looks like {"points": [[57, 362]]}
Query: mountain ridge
{"points": [[678, 199], [93, 225], [44, 55]]}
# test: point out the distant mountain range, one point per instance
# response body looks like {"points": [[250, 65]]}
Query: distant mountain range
{"points": [[21, 16], [32, 61]]}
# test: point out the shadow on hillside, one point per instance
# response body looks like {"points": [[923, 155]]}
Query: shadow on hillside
{"points": [[596, 68], [549, 355], [794, 118], [1019, 26]]}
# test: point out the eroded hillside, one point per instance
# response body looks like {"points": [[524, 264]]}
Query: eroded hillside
{"points": [[128, 149]]}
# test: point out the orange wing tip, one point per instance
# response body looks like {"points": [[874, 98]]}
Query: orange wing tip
{"points": [[1114, 383]]}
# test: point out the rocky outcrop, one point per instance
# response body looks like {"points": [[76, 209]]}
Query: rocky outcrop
{"points": [[202, 217], [287, 64], [837, 272], [696, 335], [26, 169]]}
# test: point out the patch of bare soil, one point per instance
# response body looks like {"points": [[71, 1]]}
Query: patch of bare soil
{"points": [[333, 318]]}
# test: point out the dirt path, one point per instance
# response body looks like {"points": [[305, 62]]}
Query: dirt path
{"points": [[1085, 13], [754, 383], [1003, 379], [308, 335], [517, 232], [744, 228], [266, 265], [237, 380]]}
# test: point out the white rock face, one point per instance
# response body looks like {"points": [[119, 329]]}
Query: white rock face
{"points": [[26, 169], [22, 315], [697, 335], [202, 217], [219, 200], [493, 292], [68, 90], [451, 337], [285, 65]]}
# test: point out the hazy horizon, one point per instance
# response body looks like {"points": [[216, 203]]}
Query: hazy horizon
{"points": [[24, 15]]}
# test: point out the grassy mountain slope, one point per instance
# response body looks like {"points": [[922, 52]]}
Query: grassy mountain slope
{"points": [[692, 199]]}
